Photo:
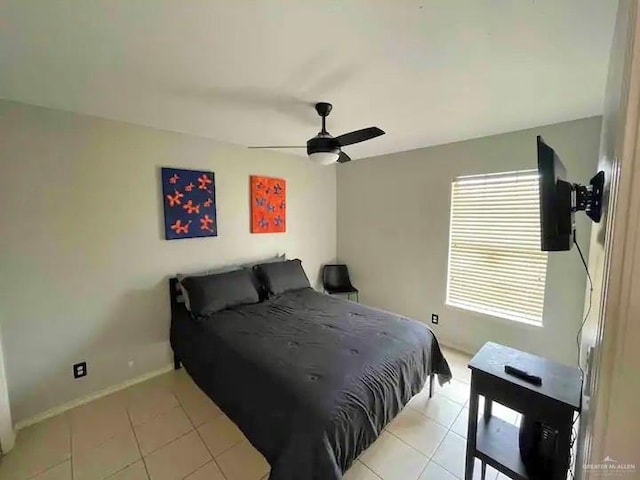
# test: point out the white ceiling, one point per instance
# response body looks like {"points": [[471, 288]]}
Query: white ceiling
{"points": [[247, 72]]}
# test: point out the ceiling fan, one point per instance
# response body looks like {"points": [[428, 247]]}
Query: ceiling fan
{"points": [[325, 149]]}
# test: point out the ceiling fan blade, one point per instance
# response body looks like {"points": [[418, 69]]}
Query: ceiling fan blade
{"points": [[343, 158], [359, 136], [279, 146]]}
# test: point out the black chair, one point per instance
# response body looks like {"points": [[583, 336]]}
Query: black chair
{"points": [[335, 280]]}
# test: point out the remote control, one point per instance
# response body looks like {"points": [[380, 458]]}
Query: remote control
{"points": [[522, 375]]}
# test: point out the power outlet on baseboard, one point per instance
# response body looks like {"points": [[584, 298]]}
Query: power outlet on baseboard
{"points": [[435, 318], [80, 370]]}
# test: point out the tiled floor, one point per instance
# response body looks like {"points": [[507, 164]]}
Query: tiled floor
{"points": [[166, 429]]}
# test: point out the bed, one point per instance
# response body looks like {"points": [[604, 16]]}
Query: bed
{"points": [[309, 378]]}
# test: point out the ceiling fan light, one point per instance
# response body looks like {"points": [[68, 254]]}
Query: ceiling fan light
{"points": [[324, 158]]}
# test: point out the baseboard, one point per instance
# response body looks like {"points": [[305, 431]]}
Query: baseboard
{"points": [[52, 412], [461, 348], [7, 442]]}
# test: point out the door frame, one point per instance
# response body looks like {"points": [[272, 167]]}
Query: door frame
{"points": [[7, 434], [606, 430]]}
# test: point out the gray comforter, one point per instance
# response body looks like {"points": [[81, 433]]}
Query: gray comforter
{"points": [[310, 379]]}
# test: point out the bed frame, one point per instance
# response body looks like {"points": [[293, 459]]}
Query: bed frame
{"points": [[174, 292]]}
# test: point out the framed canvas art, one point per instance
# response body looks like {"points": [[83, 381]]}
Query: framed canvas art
{"points": [[268, 204], [189, 198]]}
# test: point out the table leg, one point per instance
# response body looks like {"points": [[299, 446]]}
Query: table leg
{"points": [[471, 431], [488, 403], [431, 385]]}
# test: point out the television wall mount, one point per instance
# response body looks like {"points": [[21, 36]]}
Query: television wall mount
{"points": [[588, 198]]}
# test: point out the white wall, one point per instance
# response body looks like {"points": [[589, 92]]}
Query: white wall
{"points": [[393, 232], [83, 260]]}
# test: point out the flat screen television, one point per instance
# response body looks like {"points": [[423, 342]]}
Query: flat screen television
{"points": [[556, 214], [560, 199]]}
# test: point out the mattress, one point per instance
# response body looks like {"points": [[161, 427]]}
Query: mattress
{"points": [[310, 379]]}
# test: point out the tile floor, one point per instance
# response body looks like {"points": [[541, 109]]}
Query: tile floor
{"points": [[166, 429]]}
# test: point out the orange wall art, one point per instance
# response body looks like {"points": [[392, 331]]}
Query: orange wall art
{"points": [[268, 204]]}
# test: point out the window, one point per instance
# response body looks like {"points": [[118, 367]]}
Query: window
{"points": [[495, 262]]}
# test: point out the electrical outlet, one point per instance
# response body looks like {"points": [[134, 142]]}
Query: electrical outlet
{"points": [[435, 318], [80, 370]]}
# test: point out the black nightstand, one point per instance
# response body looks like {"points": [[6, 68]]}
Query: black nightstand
{"points": [[494, 441]]}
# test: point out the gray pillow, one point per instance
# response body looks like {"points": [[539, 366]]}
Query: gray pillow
{"points": [[211, 293], [283, 277], [256, 281], [184, 298], [181, 277], [277, 258]]}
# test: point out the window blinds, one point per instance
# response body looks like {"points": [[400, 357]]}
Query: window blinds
{"points": [[495, 262]]}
